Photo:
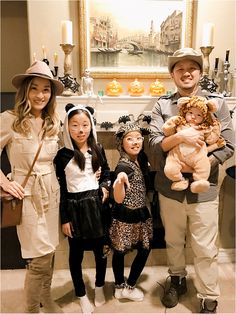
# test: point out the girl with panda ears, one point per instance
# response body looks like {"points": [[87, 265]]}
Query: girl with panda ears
{"points": [[82, 200]]}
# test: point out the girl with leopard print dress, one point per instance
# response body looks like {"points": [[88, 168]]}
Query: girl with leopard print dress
{"points": [[131, 226]]}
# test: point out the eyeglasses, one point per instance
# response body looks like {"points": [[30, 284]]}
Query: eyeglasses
{"points": [[132, 140]]}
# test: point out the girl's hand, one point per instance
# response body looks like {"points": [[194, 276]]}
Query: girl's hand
{"points": [[105, 194], [122, 178], [98, 173], [67, 229], [14, 188]]}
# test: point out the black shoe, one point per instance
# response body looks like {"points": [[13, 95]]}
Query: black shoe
{"points": [[208, 306], [177, 287]]}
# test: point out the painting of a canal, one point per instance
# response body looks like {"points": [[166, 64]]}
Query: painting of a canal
{"points": [[132, 37]]}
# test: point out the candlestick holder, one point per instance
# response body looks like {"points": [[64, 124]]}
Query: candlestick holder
{"points": [[71, 87], [55, 71], [226, 72], [206, 83], [206, 64]]}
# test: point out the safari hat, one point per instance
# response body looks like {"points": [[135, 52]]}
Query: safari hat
{"points": [[184, 53], [38, 69]]}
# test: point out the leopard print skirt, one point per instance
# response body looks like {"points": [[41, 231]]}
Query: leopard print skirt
{"points": [[130, 227]]}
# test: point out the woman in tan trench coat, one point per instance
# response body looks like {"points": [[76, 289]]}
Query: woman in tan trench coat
{"points": [[21, 132]]}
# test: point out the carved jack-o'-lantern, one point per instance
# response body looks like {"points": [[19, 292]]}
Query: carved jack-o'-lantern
{"points": [[157, 88], [136, 88], [114, 88]]}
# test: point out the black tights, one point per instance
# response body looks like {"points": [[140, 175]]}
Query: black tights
{"points": [[77, 248], [136, 267]]}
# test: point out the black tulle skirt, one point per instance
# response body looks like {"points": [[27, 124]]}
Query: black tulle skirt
{"points": [[87, 214]]}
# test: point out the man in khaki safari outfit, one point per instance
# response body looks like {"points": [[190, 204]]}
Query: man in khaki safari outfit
{"points": [[182, 210]]}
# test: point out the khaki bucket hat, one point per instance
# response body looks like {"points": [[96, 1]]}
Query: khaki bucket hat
{"points": [[184, 53], [38, 69]]}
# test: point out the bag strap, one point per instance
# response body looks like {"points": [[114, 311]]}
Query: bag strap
{"points": [[34, 161]]}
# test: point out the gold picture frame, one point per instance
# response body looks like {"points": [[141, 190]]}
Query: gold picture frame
{"points": [[95, 54]]}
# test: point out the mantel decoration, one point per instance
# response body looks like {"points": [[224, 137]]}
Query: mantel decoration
{"points": [[114, 88], [157, 88], [207, 46], [226, 92], [207, 81], [55, 57], [70, 84], [136, 88], [142, 119]]}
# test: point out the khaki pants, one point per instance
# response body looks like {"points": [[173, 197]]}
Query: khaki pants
{"points": [[201, 220]]}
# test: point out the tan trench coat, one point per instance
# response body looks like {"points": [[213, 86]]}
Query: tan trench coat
{"points": [[40, 229]]}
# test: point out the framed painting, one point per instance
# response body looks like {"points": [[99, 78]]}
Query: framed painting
{"points": [[127, 39]]}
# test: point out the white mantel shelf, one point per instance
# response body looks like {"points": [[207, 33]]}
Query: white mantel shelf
{"points": [[110, 108]]}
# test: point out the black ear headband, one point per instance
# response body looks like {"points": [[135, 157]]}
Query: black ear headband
{"points": [[70, 105], [133, 127]]}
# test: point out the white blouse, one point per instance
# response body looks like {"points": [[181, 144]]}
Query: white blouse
{"points": [[78, 180]]}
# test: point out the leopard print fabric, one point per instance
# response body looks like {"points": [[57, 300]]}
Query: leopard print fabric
{"points": [[125, 236], [135, 199]]}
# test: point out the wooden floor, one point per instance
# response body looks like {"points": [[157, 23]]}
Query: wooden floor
{"points": [[12, 292]]}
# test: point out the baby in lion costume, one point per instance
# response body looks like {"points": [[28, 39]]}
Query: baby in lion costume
{"points": [[194, 112]]}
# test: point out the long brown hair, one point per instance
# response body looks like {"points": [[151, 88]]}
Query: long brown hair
{"points": [[22, 111]]}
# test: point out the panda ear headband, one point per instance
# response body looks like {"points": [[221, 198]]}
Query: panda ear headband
{"points": [[71, 107]]}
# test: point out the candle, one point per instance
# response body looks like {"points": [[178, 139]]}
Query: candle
{"points": [[44, 52], [66, 28], [55, 56], [34, 57], [216, 63], [227, 56], [207, 38]]}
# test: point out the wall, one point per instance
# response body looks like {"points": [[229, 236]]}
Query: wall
{"points": [[44, 19], [14, 41]]}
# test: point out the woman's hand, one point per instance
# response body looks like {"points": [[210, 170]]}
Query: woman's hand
{"points": [[67, 229], [14, 188]]}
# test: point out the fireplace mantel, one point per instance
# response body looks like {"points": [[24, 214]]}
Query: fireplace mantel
{"points": [[110, 109]]}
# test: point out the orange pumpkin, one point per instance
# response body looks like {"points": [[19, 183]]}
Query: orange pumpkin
{"points": [[136, 88], [114, 88], [157, 88]]}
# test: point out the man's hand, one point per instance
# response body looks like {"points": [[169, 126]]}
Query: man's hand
{"points": [[192, 136]]}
